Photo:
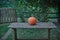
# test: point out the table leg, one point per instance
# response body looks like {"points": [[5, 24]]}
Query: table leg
{"points": [[49, 33], [15, 33]]}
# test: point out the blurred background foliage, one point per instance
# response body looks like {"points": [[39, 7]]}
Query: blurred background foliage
{"points": [[27, 8]]}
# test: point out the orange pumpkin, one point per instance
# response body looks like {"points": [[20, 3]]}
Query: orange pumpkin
{"points": [[32, 20]]}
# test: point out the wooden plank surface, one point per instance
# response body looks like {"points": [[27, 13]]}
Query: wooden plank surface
{"points": [[38, 25]]}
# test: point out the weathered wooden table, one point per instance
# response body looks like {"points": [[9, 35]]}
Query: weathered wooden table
{"points": [[43, 25]]}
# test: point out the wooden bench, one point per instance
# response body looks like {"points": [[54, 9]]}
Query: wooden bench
{"points": [[41, 25]]}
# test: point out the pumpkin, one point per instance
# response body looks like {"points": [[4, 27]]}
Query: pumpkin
{"points": [[32, 20]]}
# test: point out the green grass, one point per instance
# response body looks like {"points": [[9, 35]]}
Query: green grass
{"points": [[29, 33], [33, 33], [3, 29]]}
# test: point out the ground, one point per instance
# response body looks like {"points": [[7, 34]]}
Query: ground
{"points": [[3, 29]]}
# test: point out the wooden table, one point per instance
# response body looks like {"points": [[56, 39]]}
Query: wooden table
{"points": [[43, 25]]}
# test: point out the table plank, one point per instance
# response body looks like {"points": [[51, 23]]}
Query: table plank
{"points": [[38, 25]]}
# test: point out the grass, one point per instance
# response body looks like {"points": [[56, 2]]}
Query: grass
{"points": [[3, 29], [29, 33], [33, 33]]}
